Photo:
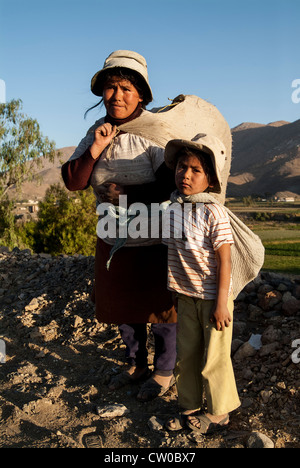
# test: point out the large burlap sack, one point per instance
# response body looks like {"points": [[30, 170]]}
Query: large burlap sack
{"points": [[186, 117]]}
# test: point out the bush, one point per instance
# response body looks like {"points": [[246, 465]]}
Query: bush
{"points": [[66, 223]]}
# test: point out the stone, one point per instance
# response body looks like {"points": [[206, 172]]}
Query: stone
{"points": [[291, 307], [155, 424], [266, 395], [33, 305], [236, 344], [247, 403], [270, 335], [4, 249], [268, 349], [246, 350], [254, 312], [270, 299], [258, 440], [112, 411]]}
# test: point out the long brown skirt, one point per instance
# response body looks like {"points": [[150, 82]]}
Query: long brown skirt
{"points": [[134, 290]]}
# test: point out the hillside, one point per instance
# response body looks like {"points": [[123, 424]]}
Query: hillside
{"points": [[265, 160], [50, 174], [59, 360]]}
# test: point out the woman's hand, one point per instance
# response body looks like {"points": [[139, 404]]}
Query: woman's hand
{"points": [[110, 193], [103, 136]]}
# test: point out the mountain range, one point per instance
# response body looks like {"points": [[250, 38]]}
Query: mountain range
{"points": [[265, 161]]}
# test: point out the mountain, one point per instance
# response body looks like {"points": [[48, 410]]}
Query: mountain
{"points": [[265, 159], [49, 174]]}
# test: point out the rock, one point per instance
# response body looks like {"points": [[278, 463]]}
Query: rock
{"points": [[241, 297], [112, 411], [264, 289], [270, 335], [155, 424], [266, 395], [239, 328], [247, 403], [236, 344], [268, 349], [270, 299], [291, 307], [33, 305], [247, 374], [282, 287], [250, 288], [254, 312], [78, 321], [257, 440], [246, 350], [297, 291]]}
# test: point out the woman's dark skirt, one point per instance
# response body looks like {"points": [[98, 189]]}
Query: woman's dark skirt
{"points": [[134, 290]]}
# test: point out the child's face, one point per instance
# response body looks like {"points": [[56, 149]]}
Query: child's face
{"points": [[190, 177]]}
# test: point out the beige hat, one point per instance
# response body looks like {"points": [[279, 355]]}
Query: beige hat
{"points": [[122, 59], [208, 144]]}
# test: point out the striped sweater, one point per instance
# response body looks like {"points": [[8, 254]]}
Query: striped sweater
{"points": [[193, 235]]}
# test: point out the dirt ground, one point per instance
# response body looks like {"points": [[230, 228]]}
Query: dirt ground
{"points": [[59, 360]]}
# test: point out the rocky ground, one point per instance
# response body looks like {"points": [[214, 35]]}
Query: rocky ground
{"points": [[59, 359]]}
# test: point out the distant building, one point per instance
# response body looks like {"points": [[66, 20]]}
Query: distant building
{"points": [[286, 200], [26, 211]]}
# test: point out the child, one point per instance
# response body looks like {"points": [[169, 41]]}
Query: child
{"points": [[199, 272]]}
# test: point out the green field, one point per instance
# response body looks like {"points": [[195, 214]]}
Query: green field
{"points": [[282, 249], [278, 226]]}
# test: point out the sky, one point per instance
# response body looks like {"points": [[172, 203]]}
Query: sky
{"points": [[243, 56]]}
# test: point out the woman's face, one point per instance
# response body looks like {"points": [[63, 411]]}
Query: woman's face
{"points": [[120, 97]]}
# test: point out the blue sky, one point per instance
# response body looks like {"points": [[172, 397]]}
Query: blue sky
{"points": [[242, 56]]}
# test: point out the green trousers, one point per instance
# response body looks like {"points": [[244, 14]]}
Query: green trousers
{"points": [[204, 367]]}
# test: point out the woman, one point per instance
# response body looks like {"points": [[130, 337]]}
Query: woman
{"points": [[133, 292]]}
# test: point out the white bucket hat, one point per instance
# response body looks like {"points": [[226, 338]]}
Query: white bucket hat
{"points": [[208, 144], [123, 59]]}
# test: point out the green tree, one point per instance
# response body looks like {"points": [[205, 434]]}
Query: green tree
{"points": [[22, 147], [23, 150], [66, 223]]}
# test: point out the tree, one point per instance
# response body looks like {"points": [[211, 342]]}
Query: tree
{"points": [[23, 150], [22, 147], [66, 223]]}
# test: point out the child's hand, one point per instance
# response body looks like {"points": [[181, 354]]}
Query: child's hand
{"points": [[221, 317]]}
